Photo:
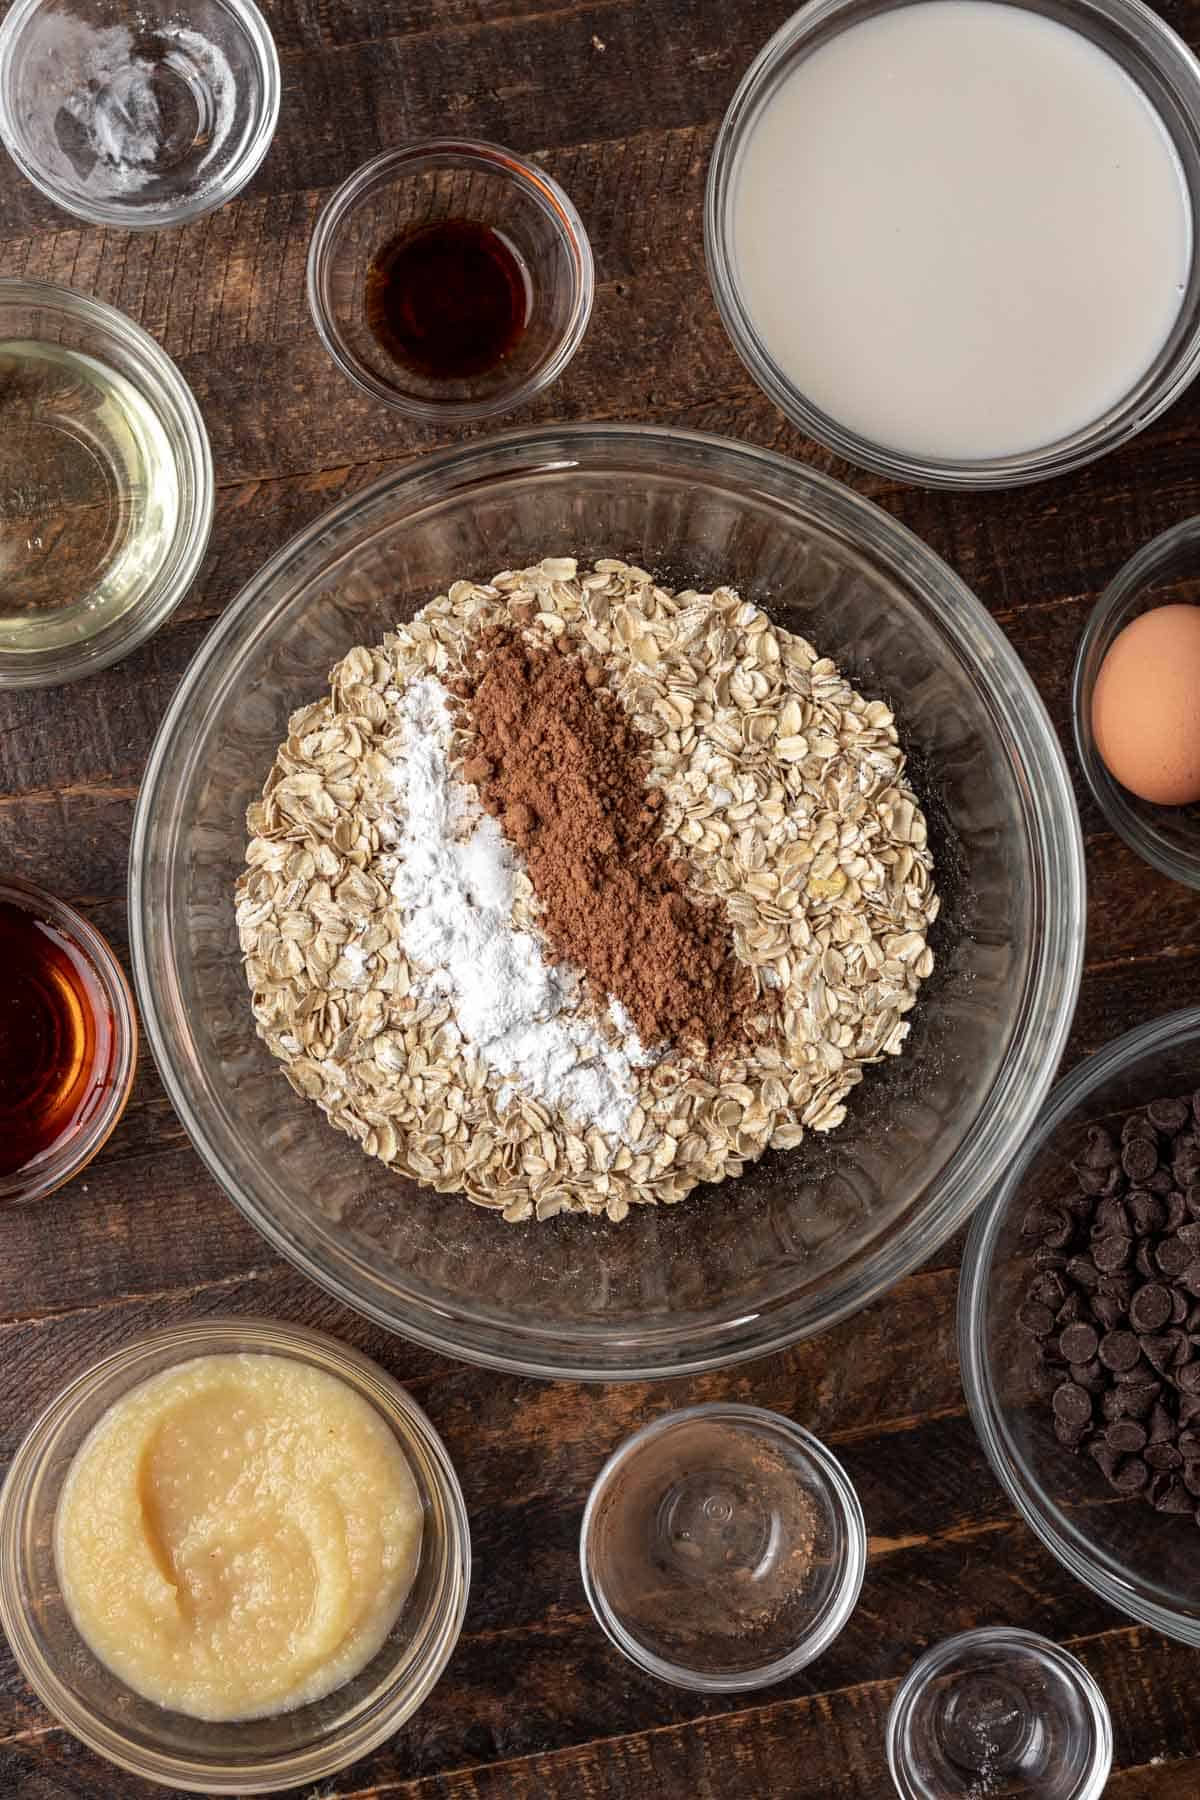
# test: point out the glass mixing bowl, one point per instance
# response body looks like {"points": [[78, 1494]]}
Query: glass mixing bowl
{"points": [[805, 1237], [1142, 1562]]}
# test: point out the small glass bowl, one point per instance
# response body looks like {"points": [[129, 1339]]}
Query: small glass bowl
{"points": [[137, 113], [746, 1525], [1139, 1561], [116, 1046], [1165, 570], [1169, 75], [999, 1711], [245, 1756], [92, 558], [424, 184]]}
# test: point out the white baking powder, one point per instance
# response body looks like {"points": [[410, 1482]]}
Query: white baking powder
{"points": [[455, 882]]}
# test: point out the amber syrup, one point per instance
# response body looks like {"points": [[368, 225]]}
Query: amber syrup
{"points": [[56, 1037], [449, 301]]}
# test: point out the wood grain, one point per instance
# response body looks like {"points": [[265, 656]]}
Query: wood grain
{"points": [[621, 99]]}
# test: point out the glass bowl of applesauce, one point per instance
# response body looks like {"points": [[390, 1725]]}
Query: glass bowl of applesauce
{"points": [[41, 1527], [954, 240]]}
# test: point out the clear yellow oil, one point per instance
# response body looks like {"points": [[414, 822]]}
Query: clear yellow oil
{"points": [[89, 496]]}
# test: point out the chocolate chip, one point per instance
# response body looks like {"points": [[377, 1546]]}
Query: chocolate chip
{"points": [[1091, 1375], [1108, 1310], [1161, 1457], [1188, 1409], [1161, 1182], [1189, 1378], [1191, 1198], [1103, 1457], [1137, 1398], [1139, 1159], [1162, 1427], [1039, 1219], [1150, 1307], [1049, 1259], [1191, 1477], [1189, 1281], [1171, 1256], [1070, 1436], [1131, 1476], [1111, 1218], [1119, 1350], [1072, 1406], [1101, 1151], [1177, 1212], [1111, 1253], [1159, 1349], [1127, 1435], [1036, 1318], [1091, 1181], [1082, 1270], [1145, 1211], [1079, 1343], [1073, 1308], [1169, 1115], [1121, 1286], [1137, 1125], [1048, 1289]]}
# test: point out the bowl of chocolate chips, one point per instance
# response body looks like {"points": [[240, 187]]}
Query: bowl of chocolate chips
{"points": [[1079, 1325]]}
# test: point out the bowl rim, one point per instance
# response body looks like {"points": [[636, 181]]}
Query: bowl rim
{"points": [[177, 212], [1127, 816], [1057, 849], [46, 1177], [1158, 45], [845, 1506], [169, 391], [1102, 1574], [200, 1337], [522, 173]]}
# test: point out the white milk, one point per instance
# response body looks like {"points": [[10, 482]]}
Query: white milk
{"points": [[961, 229]]}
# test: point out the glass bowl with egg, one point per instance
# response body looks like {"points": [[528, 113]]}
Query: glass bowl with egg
{"points": [[803, 1237], [926, 249], [1141, 706], [146, 1432]]}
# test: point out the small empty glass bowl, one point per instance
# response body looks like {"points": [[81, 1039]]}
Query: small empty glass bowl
{"points": [[137, 112], [432, 183], [106, 485], [1167, 570], [108, 1037], [999, 1711], [1143, 1563], [723, 1548], [248, 1756]]}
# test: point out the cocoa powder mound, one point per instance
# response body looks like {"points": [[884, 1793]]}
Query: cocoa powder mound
{"points": [[559, 763]]}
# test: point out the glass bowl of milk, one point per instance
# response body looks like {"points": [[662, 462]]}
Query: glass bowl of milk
{"points": [[954, 240]]}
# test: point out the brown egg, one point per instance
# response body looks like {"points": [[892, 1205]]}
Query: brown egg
{"points": [[1146, 706]]}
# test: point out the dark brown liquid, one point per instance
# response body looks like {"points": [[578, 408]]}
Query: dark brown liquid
{"points": [[55, 1038], [448, 300]]}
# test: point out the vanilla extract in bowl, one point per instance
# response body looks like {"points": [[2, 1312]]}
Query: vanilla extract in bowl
{"points": [[449, 300]]}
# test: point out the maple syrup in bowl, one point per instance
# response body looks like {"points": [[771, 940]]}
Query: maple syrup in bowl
{"points": [[451, 280], [68, 1042]]}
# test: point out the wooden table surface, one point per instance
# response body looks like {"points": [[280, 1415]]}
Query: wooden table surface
{"points": [[620, 99]]}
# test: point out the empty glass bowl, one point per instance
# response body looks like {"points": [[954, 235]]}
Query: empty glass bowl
{"points": [[137, 112], [1165, 571], [723, 1548], [248, 1756], [999, 1711], [432, 183], [804, 1237], [106, 485], [1141, 1562]]}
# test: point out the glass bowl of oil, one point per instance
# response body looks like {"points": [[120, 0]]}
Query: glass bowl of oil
{"points": [[138, 113], [106, 485], [68, 1041], [451, 280]]}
